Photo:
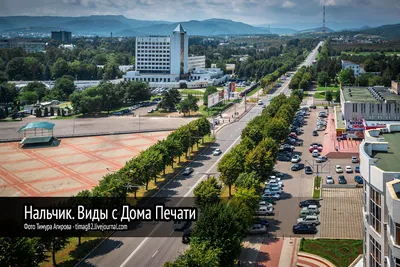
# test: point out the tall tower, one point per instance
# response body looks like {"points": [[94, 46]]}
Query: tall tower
{"points": [[179, 51], [323, 23]]}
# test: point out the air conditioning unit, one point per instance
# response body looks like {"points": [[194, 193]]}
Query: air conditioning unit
{"points": [[384, 130]]}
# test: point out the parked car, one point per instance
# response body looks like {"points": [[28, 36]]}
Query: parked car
{"points": [[312, 208], [217, 152], [329, 180], [293, 135], [312, 148], [308, 170], [315, 133], [265, 203], [309, 220], [297, 167], [354, 159], [270, 195], [357, 169], [260, 102], [296, 158], [309, 202], [338, 169], [313, 107], [358, 179], [264, 210], [315, 153], [304, 212], [342, 179], [257, 229], [273, 190], [261, 221], [316, 144], [284, 158], [304, 229], [268, 199], [187, 171], [349, 169], [319, 148], [150, 111], [321, 159]]}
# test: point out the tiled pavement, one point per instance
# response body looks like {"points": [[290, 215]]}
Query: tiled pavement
{"points": [[76, 164], [341, 213]]}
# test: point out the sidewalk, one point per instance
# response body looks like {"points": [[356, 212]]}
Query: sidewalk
{"points": [[228, 115]]}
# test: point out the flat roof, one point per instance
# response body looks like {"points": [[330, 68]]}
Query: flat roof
{"points": [[363, 95], [389, 161], [394, 188]]}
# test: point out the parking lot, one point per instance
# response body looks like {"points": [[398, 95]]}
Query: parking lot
{"points": [[298, 186]]}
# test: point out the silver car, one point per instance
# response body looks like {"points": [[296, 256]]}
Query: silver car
{"points": [[329, 180]]}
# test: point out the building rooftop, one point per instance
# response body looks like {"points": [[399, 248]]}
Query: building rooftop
{"points": [[394, 188], [389, 161], [369, 95], [180, 29]]}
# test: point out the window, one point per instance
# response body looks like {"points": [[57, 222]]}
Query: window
{"points": [[375, 210], [397, 237], [397, 262], [354, 107], [375, 253], [363, 108]]}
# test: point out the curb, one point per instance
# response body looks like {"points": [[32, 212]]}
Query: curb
{"points": [[317, 258]]}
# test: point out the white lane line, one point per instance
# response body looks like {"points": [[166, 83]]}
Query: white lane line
{"points": [[189, 192], [154, 253]]}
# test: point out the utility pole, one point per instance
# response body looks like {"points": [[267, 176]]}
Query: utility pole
{"points": [[323, 23], [234, 111]]}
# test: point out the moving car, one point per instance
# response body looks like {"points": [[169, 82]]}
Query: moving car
{"points": [[186, 236], [217, 152], [296, 158], [329, 180], [309, 202], [358, 179], [309, 220], [260, 102], [342, 179], [308, 170], [349, 169], [313, 107], [257, 229], [357, 169], [315, 133], [264, 210], [354, 159], [338, 169], [179, 225], [304, 229], [187, 171], [297, 167]]}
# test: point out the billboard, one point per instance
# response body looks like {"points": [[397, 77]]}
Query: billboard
{"points": [[213, 99], [232, 87], [355, 125]]}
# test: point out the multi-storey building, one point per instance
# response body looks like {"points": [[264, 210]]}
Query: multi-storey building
{"points": [[372, 104], [358, 68], [28, 46], [379, 154], [163, 61], [62, 36]]}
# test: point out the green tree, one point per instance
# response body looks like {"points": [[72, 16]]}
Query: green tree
{"points": [[3, 77], [54, 244], [207, 192], [337, 97], [65, 86], [323, 78], [21, 251], [28, 97], [60, 68], [277, 129], [136, 91], [170, 100], [2, 113], [260, 161], [230, 166], [209, 90], [38, 87], [184, 106], [304, 84], [328, 96], [346, 77], [247, 180]]}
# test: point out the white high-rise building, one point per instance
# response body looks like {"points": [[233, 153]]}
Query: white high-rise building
{"points": [[179, 51]]}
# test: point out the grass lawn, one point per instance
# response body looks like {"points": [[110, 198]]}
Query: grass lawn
{"points": [[321, 95], [191, 91], [254, 91], [72, 253], [341, 252], [239, 89], [317, 187], [328, 88], [213, 111], [371, 53]]}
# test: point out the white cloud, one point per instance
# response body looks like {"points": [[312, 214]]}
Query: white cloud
{"points": [[288, 4]]}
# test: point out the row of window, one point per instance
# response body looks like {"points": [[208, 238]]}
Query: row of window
{"points": [[153, 47], [151, 79], [379, 108], [153, 59], [152, 68], [153, 63], [375, 259], [164, 51], [375, 209], [152, 43], [152, 55]]}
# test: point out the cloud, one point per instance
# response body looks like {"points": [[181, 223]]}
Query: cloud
{"points": [[288, 4]]}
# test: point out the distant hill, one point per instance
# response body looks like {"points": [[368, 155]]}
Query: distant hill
{"points": [[280, 31], [315, 30], [387, 31], [122, 26]]}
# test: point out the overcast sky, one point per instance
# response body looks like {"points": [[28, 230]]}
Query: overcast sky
{"points": [[296, 14]]}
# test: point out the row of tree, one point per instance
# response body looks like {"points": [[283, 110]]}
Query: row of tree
{"points": [[217, 235], [303, 78]]}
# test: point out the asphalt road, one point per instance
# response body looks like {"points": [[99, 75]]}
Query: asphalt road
{"points": [[132, 251]]}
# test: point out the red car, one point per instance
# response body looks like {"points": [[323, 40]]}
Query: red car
{"points": [[319, 148], [292, 135], [312, 148]]}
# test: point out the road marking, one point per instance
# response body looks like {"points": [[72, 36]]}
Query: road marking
{"points": [[118, 245], [154, 253], [189, 192]]}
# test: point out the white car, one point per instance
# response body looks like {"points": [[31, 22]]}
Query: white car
{"points": [[315, 153], [354, 159], [275, 181], [260, 102], [258, 229], [296, 159], [273, 190], [338, 169], [309, 220], [217, 152], [329, 180], [270, 195], [321, 159], [349, 169], [264, 210], [265, 203]]}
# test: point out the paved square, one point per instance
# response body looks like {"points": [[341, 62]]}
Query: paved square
{"points": [[341, 213], [76, 164]]}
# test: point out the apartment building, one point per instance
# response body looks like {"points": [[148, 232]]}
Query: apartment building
{"points": [[358, 68], [28, 46], [61, 36], [379, 154]]}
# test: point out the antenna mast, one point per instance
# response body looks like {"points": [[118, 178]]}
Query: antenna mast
{"points": [[323, 23]]}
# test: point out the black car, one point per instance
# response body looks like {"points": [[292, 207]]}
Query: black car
{"points": [[304, 229], [261, 221], [342, 179], [313, 107], [308, 170], [297, 167], [314, 133], [284, 158], [186, 236], [309, 202]]}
